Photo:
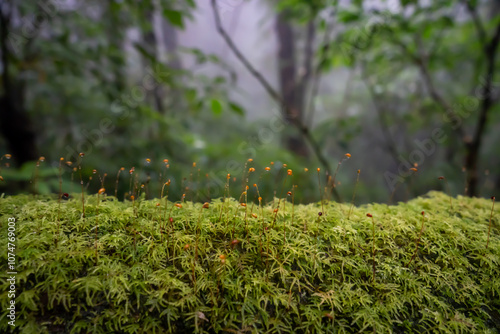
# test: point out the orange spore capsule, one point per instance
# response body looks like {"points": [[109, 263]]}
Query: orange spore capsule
{"points": [[347, 155], [101, 191], [205, 205], [369, 215], [178, 205], [267, 169]]}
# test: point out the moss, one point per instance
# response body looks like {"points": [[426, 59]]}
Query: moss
{"points": [[315, 278]]}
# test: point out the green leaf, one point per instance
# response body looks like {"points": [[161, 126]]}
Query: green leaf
{"points": [[408, 2], [236, 108], [347, 16], [216, 107], [175, 17]]}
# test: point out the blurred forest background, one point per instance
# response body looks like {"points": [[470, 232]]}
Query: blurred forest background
{"points": [[397, 84]]}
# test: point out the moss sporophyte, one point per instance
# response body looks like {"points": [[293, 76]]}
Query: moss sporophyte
{"points": [[250, 265]]}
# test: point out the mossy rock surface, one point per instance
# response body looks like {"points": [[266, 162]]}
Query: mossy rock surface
{"points": [[256, 270]]}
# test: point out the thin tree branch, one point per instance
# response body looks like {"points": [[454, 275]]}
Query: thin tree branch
{"points": [[481, 33], [304, 131], [421, 62], [389, 140], [270, 90]]}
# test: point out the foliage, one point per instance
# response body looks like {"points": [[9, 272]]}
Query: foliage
{"points": [[256, 270]]}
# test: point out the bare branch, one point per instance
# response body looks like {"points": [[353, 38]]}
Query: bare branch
{"points": [[303, 129], [481, 33], [270, 90], [421, 62], [389, 140]]}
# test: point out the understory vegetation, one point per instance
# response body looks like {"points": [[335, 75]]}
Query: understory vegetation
{"points": [[153, 266]]}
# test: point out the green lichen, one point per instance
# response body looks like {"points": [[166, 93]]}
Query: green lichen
{"points": [[314, 277]]}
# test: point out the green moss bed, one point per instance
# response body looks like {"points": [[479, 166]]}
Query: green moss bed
{"points": [[255, 270]]}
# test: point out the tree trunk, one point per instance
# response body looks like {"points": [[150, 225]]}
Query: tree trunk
{"points": [[15, 126], [116, 45], [150, 44], [292, 93], [171, 44], [473, 148], [18, 132]]}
